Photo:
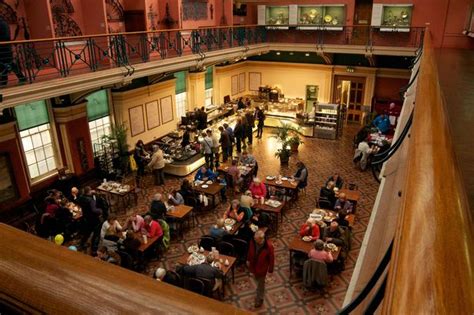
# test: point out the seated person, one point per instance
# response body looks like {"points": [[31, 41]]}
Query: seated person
{"points": [[258, 189], [135, 222], [74, 194], [234, 172], [221, 180], [131, 244], [382, 123], [336, 179], [159, 274], [186, 190], [205, 271], [328, 193], [310, 228], [233, 211], [342, 218], [247, 158], [152, 228], [334, 234], [51, 205], [261, 219], [218, 230], [301, 175], [63, 218], [107, 255], [343, 204], [248, 214], [318, 252], [361, 154], [246, 200], [175, 198], [110, 229], [205, 174], [157, 208]]}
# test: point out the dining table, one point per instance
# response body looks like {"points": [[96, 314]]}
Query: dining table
{"points": [[289, 185], [226, 269], [117, 195], [180, 213], [351, 195], [298, 245], [275, 210], [207, 189]]}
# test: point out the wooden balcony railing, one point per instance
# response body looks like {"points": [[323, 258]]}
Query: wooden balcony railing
{"points": [[38, 277], [432, 265]]}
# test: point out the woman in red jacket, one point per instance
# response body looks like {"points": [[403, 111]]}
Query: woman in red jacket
{"points": [[310, 228], [258, 188], [260, 260]]}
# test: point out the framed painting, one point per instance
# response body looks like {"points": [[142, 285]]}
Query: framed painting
{"points": [[166, 109], [137, 121], [152, 115]]}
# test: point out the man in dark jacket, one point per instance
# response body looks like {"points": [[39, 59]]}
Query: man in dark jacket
{"points": [[238, 134], [205, 271], [260, 260], [260, 116], [250, 124], [157, 208], [225, 143], [7, 62], [202, 119], [92, 222]]}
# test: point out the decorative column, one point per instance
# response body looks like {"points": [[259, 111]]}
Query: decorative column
{"points": [[14, 187], [196, 95], [74, 135]]}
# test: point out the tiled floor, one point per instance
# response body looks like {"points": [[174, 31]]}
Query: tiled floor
{"points": [[284, 295]]}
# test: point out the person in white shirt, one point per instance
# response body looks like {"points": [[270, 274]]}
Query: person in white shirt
{"points": [[157, 165], [215, 146], [361, 154], [176, 198], [206, 148], [110, 229]]}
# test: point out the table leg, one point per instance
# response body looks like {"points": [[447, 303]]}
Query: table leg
{"points": [[291, 262]]}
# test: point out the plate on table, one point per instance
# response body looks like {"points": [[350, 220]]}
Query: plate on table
{"points": [[270, 177], [228, 228], [284, 178], [278, 182], [328, 218], [331, 247], [205, 186], [193, 249], [319, 211], [229, 221], [209, 182], [307, 238]]}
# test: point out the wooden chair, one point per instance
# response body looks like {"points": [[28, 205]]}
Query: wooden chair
{"points": [[196, 285], [241, 248], [172, 277], [226, 248], [207, 242]]}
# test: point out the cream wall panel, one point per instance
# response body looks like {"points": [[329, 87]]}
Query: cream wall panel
{"points": [[196, 89], [123, 101], [223, 81]]}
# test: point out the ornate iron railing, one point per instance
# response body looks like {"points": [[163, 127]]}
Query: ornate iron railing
{"points": [[31, 61]]}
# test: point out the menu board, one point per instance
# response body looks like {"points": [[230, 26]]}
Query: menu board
{"points": [[242, 82], [137, 122], [152, 115], [166, 109], [255, 80], [234, 85]]}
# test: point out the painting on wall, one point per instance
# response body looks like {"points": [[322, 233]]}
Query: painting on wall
{"points": [[166, 109], [194, 10], [234, 81], [152, 115], [242, 82], [8, 190], [137, 122]]}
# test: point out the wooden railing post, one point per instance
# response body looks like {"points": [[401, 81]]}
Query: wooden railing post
{"points": [[432, 265]]}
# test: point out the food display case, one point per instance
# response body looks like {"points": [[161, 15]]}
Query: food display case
{"points": [[321, 17], [327, 121], [392, 17], [277, 17]]}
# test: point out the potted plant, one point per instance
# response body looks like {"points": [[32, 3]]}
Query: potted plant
{"points": [[294, 141], [119, 135], [283, 134]]}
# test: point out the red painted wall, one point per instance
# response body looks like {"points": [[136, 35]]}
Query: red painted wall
{"points": [[190, 24], [388, 88], [446, 18], [12, 147]]}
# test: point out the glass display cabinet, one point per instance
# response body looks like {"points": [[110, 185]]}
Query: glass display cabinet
{"points": [[277, 15], [329, 17], [392, 17]]}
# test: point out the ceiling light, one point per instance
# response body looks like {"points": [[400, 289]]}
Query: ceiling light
{"points": [[292, 53], [278, 53], [307, 54]]}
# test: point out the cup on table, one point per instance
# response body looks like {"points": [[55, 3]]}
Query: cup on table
{"points": [[145, 239]]}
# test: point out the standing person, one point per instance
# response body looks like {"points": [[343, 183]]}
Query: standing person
{"points": [[238, 132], [91, 220], [157, 164], [250, 125], [186, 138], [260, 116], [140, 156], [215, 147], [245, 126], [225, 143], [230, 132], [202, 118], [7, 61], [260, 260], [240, 103], [206, 149]]}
